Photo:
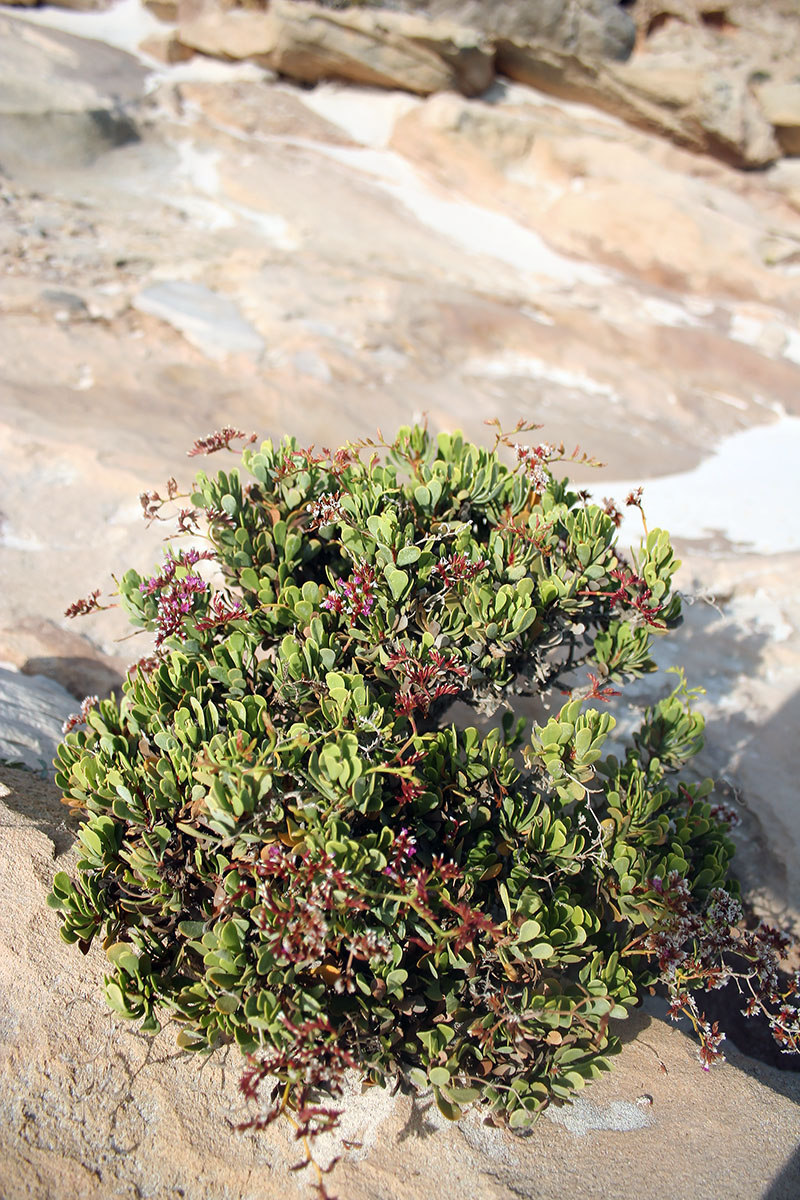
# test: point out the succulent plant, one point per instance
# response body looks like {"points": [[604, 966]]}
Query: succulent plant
{"points": [[292, 844]]}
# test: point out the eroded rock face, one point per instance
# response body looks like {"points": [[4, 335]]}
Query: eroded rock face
{"points": [[594, 28], [714, 113], [691, 80], [309, 42]]}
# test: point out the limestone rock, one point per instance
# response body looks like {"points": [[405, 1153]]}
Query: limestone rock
{"points": [[83, 5], [63, 100], [604, 30], [165, 10], [673, 87], [234, 34], [501, 137], [716, 115], [166, 49], [605, 87], [592, 28], [39, 647], [650, 15], [309, 42], [731, 119], [32, 713], [780, 104], [207, 320]]}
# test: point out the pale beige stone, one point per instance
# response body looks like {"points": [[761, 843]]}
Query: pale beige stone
{"points": [[166, 49], [675, 87], [236, 34], [165, 10], [40, 647], [780, 103]]}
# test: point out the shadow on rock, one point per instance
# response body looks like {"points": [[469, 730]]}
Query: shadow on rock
{"points": [[752, 763], [38, 801], [786, 1185], [39, 647], [756, 765], [79, 676]]}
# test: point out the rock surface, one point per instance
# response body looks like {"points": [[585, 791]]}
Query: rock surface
{"points": [[693, 79], [62, 103], [32, 713], [594, 28], [384, 255], [40, 647], [310, 43], [207, 320], [780, 103]]}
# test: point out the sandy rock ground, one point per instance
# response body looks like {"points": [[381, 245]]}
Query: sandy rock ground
{"points": [[321, 262]]}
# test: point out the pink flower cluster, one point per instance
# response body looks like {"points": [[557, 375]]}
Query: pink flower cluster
{"points": [[459, 569], [325, 510], [219, 440], [220, 611], [79, 718], [425, 682], [85, 605], [404, 849], [354, 596], [175, 595], [534, 458], [710, 946]]}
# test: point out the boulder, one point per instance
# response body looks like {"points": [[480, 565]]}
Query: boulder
{"points": [[36, 646], [780, 104], [63, 100], [32, 714], [572, 78], [380, 48], [592, 28], [83, 5], [234, 34], [604, 30], [714, 114], [384, 49], [735, 127], [672, 87], [651, 15]]}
